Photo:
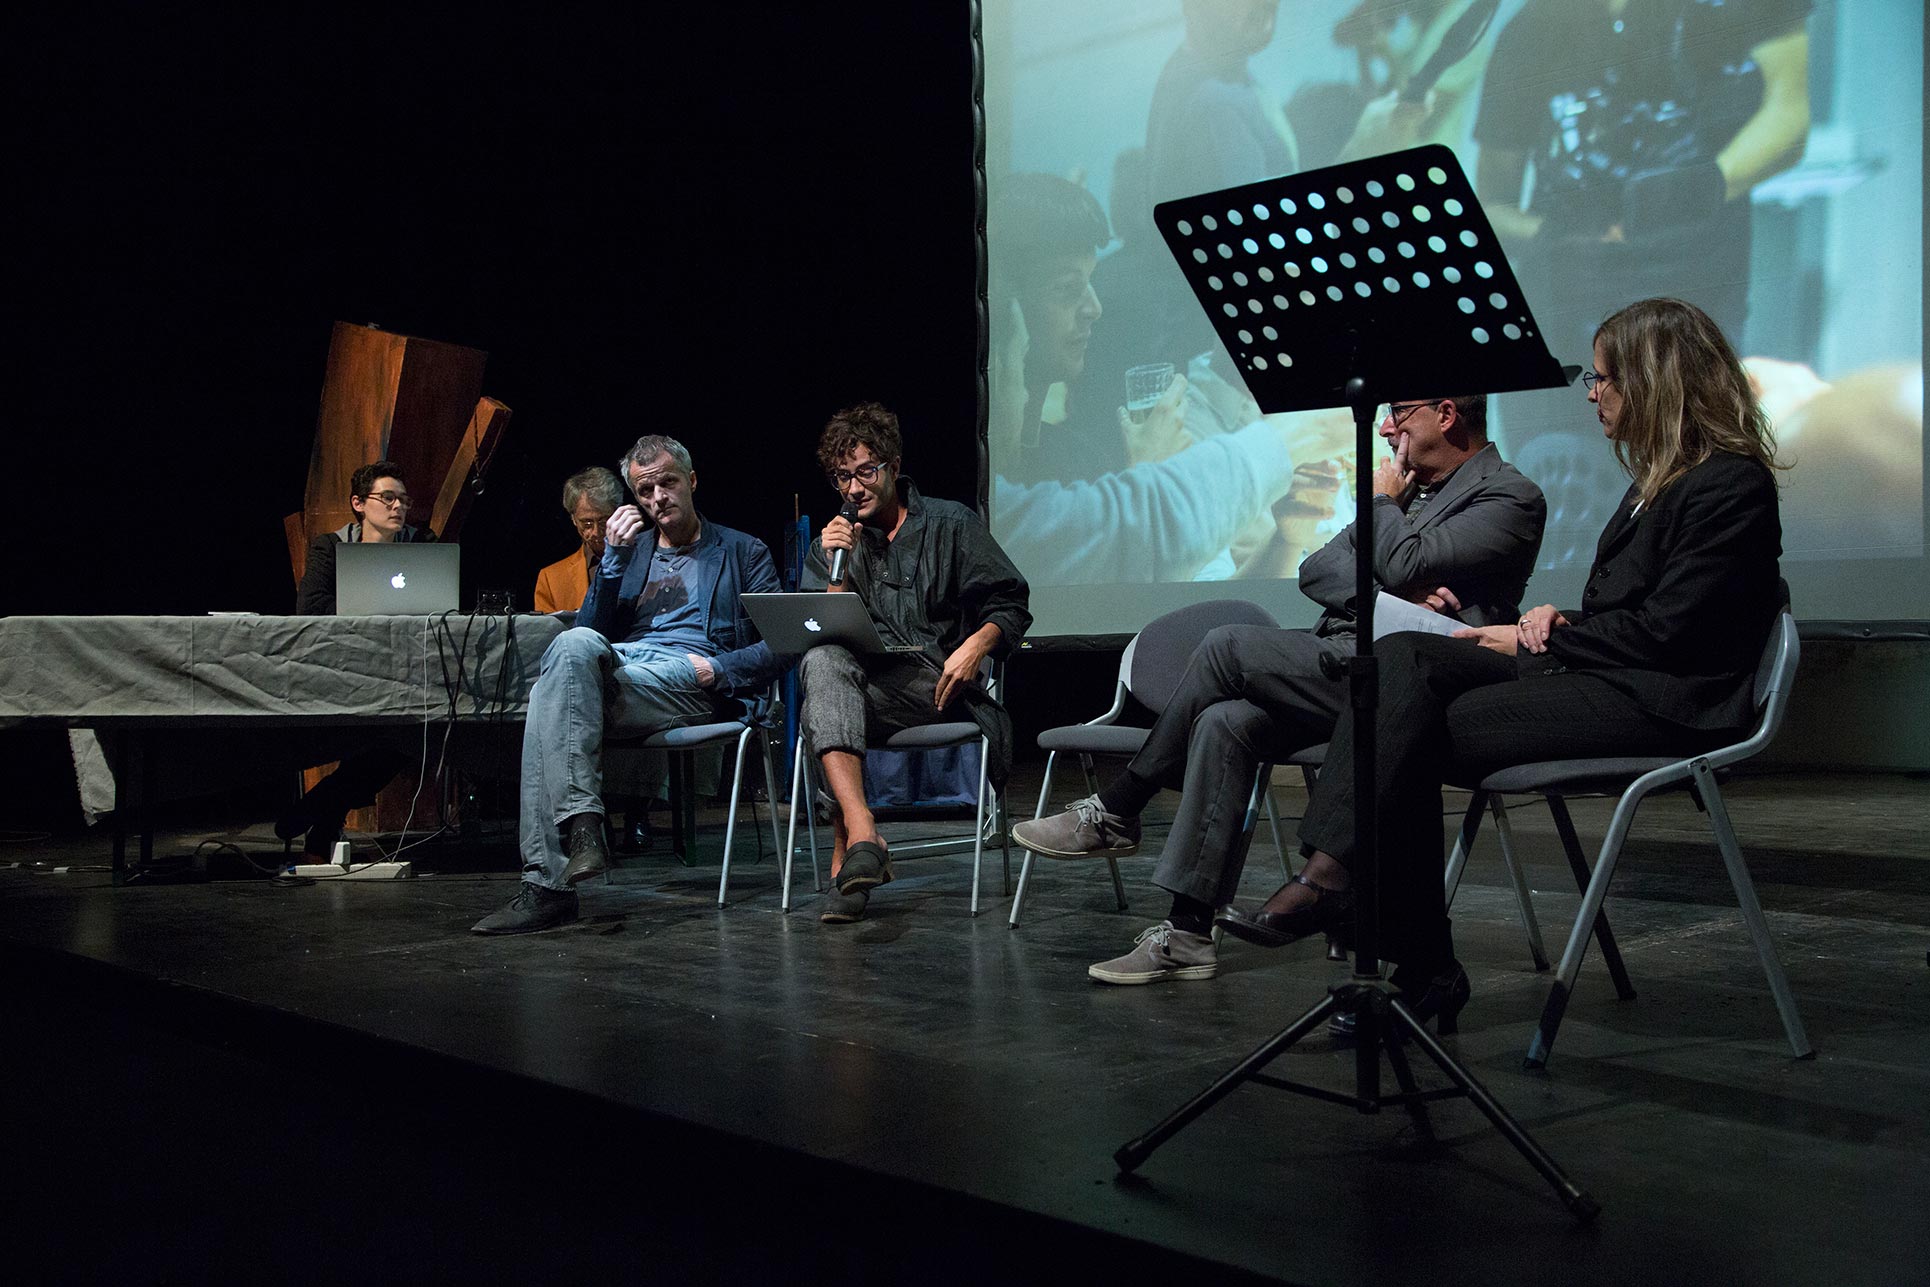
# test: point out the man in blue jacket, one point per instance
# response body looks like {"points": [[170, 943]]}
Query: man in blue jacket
{"points": [[662, 639]]}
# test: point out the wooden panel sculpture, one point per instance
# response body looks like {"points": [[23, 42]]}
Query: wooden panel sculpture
{"points": [[419, 403]]}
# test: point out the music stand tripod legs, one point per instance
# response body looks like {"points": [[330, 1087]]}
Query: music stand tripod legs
{"points": [[1299, 276]]}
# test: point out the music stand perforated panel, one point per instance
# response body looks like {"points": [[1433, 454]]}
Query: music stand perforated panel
{"points": [[1385, 268]]}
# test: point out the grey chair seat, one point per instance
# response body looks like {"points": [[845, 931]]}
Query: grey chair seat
{"points": [[931, 736], [690, 736], [1095, 739], [1607, 776]]}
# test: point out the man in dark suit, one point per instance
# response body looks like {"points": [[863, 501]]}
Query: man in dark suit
{"points": [[1456, 530]]}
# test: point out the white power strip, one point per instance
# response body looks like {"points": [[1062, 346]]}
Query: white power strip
{"points": [[365, 871]]}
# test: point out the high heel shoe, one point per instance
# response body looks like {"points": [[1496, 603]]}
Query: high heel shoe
{"points": [[1440, 998], [1332, 912]]}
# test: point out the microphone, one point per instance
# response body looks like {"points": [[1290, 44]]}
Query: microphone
{"points": [[850, 515]]}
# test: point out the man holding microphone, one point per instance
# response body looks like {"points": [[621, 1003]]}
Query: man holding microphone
{"points": [[932, 577]]}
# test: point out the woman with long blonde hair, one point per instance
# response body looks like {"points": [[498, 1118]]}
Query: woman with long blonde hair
{"points": [[1658, 660]]}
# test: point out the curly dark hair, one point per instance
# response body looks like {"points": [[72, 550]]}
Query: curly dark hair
{"points": [[362, 481], [869, 424]]}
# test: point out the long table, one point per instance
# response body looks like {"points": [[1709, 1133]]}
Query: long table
{"points": [[136, 679]]}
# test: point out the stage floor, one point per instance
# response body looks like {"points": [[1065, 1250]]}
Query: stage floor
{"points": [[931, 1096]]}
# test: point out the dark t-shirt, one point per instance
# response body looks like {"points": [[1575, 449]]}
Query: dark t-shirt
{"points": [[671, 612]]}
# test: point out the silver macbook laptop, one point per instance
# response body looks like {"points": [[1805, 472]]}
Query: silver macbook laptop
{"points": [[388, 579], [792, 623]]}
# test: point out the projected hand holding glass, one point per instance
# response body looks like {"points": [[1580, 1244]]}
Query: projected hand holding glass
{"points": [[1156, 428]]}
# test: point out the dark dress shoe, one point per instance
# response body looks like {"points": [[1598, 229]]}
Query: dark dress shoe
{"points": [[534, 908], [1331, 913], [1439, 995], [636, 836], [589, 856]]}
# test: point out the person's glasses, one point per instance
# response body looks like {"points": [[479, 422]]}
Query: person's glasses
{"points": [[1592, 378], [1398, 412], [394, 500], [866, 473]]}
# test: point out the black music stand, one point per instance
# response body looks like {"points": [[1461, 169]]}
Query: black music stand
{"points": [[1353, 285]]}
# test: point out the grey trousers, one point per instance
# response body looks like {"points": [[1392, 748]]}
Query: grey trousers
{"points": [[849, 705], [589, 687], [1250, 695]]}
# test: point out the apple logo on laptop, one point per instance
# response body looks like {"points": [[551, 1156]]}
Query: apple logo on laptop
{"points": [[811, 624], [399, 581]]}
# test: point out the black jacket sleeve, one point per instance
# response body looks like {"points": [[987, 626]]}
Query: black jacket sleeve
{"points": [[315, 597]]}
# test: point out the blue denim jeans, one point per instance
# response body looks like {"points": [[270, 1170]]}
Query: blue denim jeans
{"points": [[589, 688]]}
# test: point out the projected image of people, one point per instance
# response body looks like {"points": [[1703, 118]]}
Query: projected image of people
{"points": [[1761, 159], [1199, 466]]}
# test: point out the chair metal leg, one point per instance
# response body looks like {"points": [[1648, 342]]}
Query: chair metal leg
{"points": [[1002, 828], [1259, 800], [1118, 884], [1464, 842], [978, 821], [811, 822], [1524, 897], [790, 835], [730, 819], [1542, 1043], [1571, 846], [770, 791], [1025, 867], [1731, 851], [1273, 821]]}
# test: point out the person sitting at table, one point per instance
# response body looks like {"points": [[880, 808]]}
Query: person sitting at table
{"points": [[590, 496], [381, 502], [1660, 660]]}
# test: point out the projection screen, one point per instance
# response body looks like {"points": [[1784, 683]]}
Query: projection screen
{"points": [[1761, 158]]}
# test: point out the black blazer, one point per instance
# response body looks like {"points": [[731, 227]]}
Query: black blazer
{"points": [[1681, 597]]}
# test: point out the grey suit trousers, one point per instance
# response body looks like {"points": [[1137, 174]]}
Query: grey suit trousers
{"points": [[1250, 695]]}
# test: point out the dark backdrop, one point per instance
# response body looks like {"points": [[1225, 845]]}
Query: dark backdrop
{"points": [[721, 224]]}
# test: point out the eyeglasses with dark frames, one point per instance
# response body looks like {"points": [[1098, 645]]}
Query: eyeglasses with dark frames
{"points": [[866, 473], [1592, 378], [394, 500], [1398, 412]]}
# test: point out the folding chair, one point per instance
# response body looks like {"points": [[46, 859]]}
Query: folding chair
{"points": [[1634, 778], [681, 741], [1149, 671], [925, 737]]}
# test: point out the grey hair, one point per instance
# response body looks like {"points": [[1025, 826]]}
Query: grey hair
{"points": [[596, 482], [648, 448]]}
